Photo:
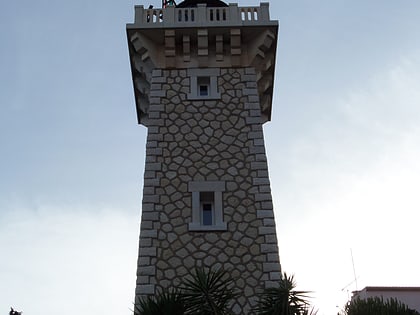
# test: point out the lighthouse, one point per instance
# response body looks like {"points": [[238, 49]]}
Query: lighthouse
{"points": [[203, 75]]}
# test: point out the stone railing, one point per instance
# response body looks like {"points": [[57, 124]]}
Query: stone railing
{"points": [[201, 16]]}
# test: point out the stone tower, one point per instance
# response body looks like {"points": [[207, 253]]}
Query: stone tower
{"points": [[203, 76]]}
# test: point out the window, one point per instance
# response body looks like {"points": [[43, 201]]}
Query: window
{"points": [[207, 206], [203, 83]]}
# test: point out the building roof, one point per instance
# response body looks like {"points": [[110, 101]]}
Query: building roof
{"points": [[387, 289]]}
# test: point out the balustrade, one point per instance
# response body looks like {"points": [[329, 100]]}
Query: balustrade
{"points": [[202, 15]]}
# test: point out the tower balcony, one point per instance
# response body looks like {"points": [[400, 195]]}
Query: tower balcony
{"points": [[202, 16]]}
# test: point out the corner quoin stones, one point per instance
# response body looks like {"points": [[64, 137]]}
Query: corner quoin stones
{"points": [[218, 141]]}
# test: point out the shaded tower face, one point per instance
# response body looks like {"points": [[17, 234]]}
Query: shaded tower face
{"points": [[203, 81]]}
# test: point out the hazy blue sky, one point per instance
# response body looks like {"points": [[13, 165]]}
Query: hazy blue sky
{"points": [[343, 149]]}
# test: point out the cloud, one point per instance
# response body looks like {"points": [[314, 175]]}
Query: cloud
{"points": [[352, 182], [68, 261]]}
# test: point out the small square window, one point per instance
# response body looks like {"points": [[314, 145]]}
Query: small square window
{"points": [[207, 206], [203, 84]]}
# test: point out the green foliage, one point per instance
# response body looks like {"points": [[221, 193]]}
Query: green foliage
{"points": [[164, 303], [203, 293], [284, 300], [377, 306], [208, 293]]}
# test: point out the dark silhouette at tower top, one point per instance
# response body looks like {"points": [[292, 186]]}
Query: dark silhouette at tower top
{"points": [[13, 312], [193, 3]]}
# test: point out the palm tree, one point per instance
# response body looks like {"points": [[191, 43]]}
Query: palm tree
{"points": [[164, 303], [208, 292], [284, 300]]}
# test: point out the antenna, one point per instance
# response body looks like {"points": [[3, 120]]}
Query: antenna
{"points": [[355, 277], [354, 269]]}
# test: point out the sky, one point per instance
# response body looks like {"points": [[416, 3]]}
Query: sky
{"points": [[343, 150]]}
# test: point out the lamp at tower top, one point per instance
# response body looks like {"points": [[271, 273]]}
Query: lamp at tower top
{"points": [[168, 3]]}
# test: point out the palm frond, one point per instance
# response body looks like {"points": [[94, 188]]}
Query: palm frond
{"points": [[168, 302], [208, 292], [283, 299]]}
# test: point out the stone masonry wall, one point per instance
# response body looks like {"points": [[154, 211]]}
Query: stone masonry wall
{"points": [[207, 140]]}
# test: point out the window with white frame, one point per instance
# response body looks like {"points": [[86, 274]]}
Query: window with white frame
{"points": [[207, 206], [203, 83]]}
